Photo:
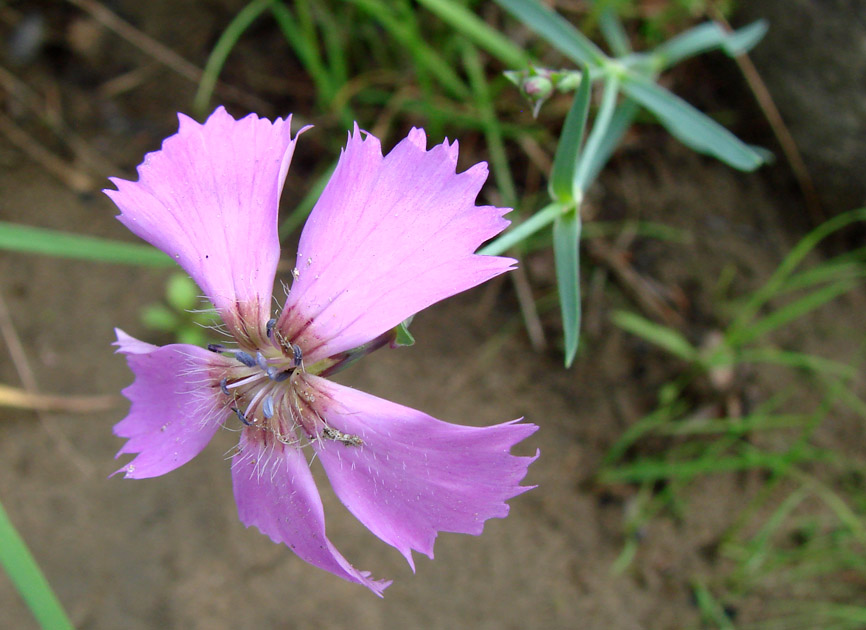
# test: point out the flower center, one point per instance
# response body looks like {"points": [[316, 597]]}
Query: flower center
{"points": [[271, 395]]}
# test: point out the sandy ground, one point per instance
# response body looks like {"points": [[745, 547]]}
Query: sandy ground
{"points": [[171, 553]]}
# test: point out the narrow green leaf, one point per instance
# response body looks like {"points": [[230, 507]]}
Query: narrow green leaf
{"points": [[661, 336], [568, 148], [558, 31], [691, 127], [34, 240], [706, 37], [465, 21], [744, 39], [221, 50], [28, 578], [566, 252], [619, 124], [597, 137], [613, 32], [512, 237]]}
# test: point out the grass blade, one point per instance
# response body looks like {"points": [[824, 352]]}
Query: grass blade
{"points": [[465, 21], [221, 50], [647, 470], [28, 578], [424, 55], [661, 336], [790, 263], [789, 313], [492, 128], [558, 31], [35, 240], [306, 50], [300, 212]]}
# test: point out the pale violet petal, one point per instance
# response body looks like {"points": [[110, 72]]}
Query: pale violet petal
{"points": [[127, 344], [406, 475], [388, 237], [175, 407], [209, 199], [275, 491]]}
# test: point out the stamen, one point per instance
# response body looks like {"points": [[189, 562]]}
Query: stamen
{"points": [[270, 327], [216, 347], [261, 360], [296, 349], [277, 376], [224, 386], [242, 417], [244, 381], [245, 358], [268, 407]]}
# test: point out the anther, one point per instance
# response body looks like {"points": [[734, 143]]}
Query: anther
{"points": [[242, 417], [261, 360], [216, 347], [245, 358], [277, 376], [268, 407], [296, 349], [224, 386], [270, 327]]}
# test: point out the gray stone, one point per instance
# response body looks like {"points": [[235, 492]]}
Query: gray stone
{"points": [[814, 63]]}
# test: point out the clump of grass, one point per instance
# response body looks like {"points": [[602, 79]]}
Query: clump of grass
{"points": [[818, 554]]}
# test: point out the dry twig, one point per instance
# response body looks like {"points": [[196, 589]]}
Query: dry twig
{"points": [[25, 373], [163, 53], [647, 298], [76, 179], [21, 399]]}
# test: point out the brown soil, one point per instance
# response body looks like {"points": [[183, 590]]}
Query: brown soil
{"points": [[171, 553]]}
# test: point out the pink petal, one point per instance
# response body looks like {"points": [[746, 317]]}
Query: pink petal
{"points": [[414, 475], [209, 199], [175, 411], [127, 344], [275, 491], [388, 237]]}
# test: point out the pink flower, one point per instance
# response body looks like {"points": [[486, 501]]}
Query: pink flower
{"points": [[388, 237]]}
